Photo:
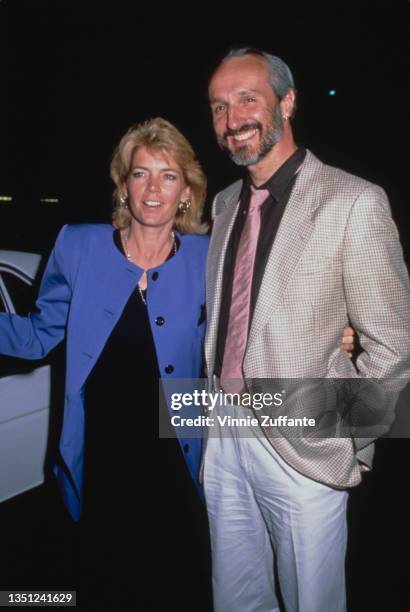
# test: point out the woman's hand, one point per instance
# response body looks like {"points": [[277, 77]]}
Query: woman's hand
{"points": [[348, 340]]}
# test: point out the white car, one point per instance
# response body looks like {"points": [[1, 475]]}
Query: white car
{"points": [[24, 388]]}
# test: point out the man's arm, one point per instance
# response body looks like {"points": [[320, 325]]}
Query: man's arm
{"points": [[377, 288], [377, 291]]}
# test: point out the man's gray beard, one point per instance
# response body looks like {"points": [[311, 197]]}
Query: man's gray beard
{"points": [[273, 132]]}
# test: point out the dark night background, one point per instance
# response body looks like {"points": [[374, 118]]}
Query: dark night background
{"points": [[75, 75]]}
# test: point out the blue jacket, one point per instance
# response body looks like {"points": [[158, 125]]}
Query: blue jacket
{"points": [[85, 286]]}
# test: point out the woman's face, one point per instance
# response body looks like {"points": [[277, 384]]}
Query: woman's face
{"points": [[155, 186]]}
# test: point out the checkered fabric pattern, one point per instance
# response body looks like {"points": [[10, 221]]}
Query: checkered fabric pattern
{"points": [[336, 258]]}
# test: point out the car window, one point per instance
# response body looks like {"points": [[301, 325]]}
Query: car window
{"points": [[21, 293], [22, 297]]}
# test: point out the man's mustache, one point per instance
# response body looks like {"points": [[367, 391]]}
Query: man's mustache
{"points": [[244, 128]]}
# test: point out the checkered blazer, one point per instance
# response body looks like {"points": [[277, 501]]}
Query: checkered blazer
{"points": [[336, 258]]}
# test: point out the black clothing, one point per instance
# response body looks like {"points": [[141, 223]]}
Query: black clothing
{"points": [[140, 504]]}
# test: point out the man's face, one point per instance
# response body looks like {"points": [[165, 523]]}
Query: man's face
{"points": [[246, 112]]}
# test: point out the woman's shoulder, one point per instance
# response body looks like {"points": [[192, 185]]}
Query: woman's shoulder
{"points": [[72, 235], [195, 242], [88, 229], [194, 247]]}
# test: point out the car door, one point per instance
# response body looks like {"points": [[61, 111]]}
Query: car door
{"points": [[24, 387]]}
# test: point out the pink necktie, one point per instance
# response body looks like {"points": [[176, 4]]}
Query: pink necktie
{"points": [[237, 333]]}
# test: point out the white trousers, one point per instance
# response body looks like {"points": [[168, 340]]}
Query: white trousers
{"points": [[262, 511]]}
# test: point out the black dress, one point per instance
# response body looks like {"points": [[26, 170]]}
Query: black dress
{"points": [[141, 509]]}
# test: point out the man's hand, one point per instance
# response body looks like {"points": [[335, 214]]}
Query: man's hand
{"points": [[348, 340]]}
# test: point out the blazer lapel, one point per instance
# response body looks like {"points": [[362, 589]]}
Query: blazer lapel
{"points": [[292, 237], [113, 280]]}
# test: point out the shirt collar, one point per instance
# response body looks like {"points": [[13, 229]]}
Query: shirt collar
{"points": [[279, 181]]}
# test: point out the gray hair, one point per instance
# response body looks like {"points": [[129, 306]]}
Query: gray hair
{"points": [[281, 75]]}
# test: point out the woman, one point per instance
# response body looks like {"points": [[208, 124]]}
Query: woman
{"points": [[130, 299]]}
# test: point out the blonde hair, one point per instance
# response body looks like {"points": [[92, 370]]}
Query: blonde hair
{"points": [[159, 134]]}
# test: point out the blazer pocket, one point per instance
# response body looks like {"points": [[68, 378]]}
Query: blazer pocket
{"points": [[340, 366], [315, 265]]}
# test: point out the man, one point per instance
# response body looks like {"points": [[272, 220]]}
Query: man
{"points": [[298, 249]]}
